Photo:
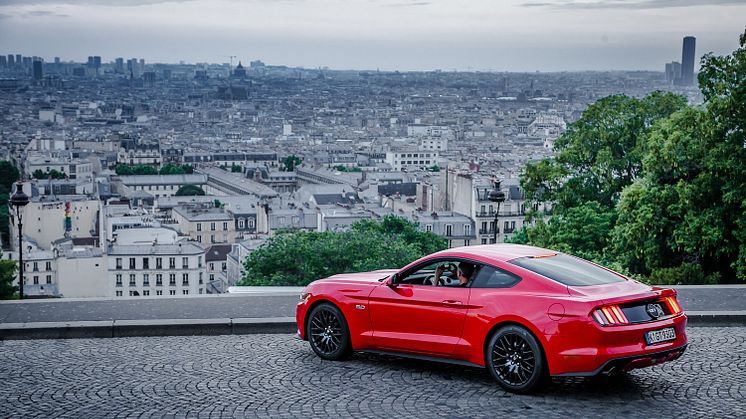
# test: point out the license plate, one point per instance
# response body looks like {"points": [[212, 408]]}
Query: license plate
{"points": [[662, 335]]}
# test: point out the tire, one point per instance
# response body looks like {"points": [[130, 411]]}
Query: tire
{"points": [[515, 359], [328, 333]]}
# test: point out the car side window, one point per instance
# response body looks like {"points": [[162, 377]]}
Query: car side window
{"points": [[491, 277]]}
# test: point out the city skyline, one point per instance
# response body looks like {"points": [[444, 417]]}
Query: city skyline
{"points": [[366, 35]]}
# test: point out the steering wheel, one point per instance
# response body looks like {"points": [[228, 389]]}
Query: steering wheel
{"points": [[430, 280]]}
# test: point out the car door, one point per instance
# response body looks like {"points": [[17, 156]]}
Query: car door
{"points": [[418, 318]]}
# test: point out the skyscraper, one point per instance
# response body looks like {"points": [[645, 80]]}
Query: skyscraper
{"points": [[11, 60], [687, 61], [38, 72], [3, 61]]}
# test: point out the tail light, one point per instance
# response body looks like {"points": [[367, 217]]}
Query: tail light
{"points": [[610, 316], [673, 305]]}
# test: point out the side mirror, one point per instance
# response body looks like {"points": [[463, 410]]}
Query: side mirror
{"points": [[391, 282]]}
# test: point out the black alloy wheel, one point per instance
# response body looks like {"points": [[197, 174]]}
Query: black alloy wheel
{"points": [[328, 333], [515, 359]]}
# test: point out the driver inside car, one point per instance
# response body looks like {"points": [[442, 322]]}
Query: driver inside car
{"points": [[463, 273]]}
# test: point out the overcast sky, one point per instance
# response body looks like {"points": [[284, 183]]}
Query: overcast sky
{"points": [[499, 35]]}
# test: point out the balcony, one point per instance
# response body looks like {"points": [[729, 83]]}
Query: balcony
{"points": [[490, 231]]}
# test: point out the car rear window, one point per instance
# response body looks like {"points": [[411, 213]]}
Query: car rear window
{"points": [[567, 270]]}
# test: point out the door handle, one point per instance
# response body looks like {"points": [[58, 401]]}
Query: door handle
{"points": [[452, 302]]}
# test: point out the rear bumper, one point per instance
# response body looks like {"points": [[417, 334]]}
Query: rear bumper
{"points": [[631, 362]]}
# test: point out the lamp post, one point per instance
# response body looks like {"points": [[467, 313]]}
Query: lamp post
{"points": [[498, 196], [19, 200]]}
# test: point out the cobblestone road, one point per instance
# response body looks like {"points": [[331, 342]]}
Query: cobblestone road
{"points": [[277, 375]]}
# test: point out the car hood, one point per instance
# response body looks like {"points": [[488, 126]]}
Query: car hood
{"points": [[372, 276]]}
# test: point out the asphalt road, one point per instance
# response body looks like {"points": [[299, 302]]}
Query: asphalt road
{"points": [[278, 376], [240, 306]]}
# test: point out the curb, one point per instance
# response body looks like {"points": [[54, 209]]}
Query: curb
{"points": [[137, 328], [716, 318], [236, 326]]}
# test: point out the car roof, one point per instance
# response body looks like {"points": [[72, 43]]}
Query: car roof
{"points": [[498, 252]]}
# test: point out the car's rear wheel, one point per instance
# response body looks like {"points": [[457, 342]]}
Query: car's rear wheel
{"points": [[328, 332], [515, 359]]}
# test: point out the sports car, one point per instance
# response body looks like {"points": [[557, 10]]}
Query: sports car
{"points": [[524, 313]]}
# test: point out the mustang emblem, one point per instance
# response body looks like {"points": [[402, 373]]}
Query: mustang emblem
{"points": [[655, 310]]}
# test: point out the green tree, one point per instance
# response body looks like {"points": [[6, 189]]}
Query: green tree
{"points": [[236, 169], [52, 174], [600, 154], [289, 163], [298, 258], [137, 169], [686, 219], [172, 169], [8, 174], [7, 276], [189, 190]]}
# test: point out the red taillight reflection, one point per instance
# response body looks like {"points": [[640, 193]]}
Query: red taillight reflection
{"points": [[610, 315]]}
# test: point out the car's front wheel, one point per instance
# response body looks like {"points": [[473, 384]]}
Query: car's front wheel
{"points": [[328, 332], [515, 359]]}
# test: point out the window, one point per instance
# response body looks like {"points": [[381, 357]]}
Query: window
{"points": [[199, 239], [36, 279], [171, 279], [199, 226], [119, 293], [119, 263], [212, 277], [185, 262], [212, 238], [185, 279], [200, 278], [429, 227], [212, 266], [199, 261], [200, 290], [484, 241], [158, 280], [132, 263], [224, 266], [49, 279], [119, 280], [225, 226], [132, 280], [48, 266], [241, 223], [491, 277], [146, 263], [467, 229], [146, 293], [158, 292], [171, 263], [449, 229], [568, 270], [158, 263], [251, 223], [171, 292], [145, 280], [185, 292], [36, 266], [212, 226]]}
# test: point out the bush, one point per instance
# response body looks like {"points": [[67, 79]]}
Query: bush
{"points": [[684, 274]]}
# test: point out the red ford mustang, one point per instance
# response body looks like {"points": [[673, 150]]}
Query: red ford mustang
{"points": [[522, 312]]}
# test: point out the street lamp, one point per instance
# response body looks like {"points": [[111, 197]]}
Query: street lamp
{"points": [[19, 200], [498, 196]]}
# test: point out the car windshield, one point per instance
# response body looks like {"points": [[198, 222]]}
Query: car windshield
{"points": [[567, 270]]}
